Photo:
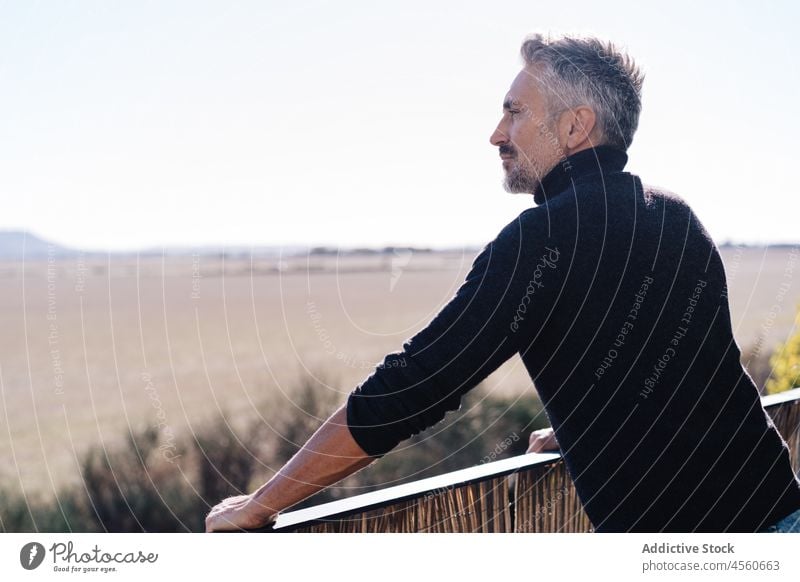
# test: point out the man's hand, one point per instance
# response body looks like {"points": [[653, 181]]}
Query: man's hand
{"points": [[241, 512], [542, 440]]}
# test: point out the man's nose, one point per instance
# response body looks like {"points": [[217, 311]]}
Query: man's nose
{"points": [[498, 137]]}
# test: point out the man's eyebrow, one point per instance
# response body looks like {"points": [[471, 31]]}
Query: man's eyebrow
{"points": [[510, 103]]}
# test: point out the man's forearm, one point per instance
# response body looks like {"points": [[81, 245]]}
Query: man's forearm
{"points": [[329, 456]]}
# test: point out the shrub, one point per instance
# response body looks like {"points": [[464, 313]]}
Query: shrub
{"points": [[785, 363]]}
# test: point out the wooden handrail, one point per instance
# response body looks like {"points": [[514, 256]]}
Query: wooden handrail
{"points": [[423, 487], [478, 499]]}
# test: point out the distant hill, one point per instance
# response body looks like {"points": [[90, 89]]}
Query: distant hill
{"points": [[13, 243]]}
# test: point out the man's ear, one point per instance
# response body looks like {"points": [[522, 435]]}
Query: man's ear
{"points": [[575, 128]]}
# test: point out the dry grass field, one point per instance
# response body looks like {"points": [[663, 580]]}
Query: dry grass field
{"points": [[91, 346]]}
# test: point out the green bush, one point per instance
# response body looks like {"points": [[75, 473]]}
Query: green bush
{"points": [[785, 363]]}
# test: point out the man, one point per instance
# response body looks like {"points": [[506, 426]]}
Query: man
{"points": [[614, 296]]}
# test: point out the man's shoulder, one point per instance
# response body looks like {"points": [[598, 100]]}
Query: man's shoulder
{"points": [[672, 208], [657, 194]]}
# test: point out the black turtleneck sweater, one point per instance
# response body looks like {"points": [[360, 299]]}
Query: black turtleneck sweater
{"points": [[614, 295]]}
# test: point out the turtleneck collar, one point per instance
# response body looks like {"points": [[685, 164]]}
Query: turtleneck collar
{"points": [[592, 161]]}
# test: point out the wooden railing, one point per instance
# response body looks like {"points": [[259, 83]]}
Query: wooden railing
{"points": [[527, 493]]}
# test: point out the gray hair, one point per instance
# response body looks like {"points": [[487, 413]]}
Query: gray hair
{"points": [[588, 71]]}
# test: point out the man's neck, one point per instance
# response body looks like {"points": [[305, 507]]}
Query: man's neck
{"points": [[590, 161]]}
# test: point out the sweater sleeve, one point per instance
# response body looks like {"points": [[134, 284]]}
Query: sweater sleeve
{"points": [[481, 327]]}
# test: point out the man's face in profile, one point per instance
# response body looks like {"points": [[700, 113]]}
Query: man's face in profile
{"points": [[526, 136]]}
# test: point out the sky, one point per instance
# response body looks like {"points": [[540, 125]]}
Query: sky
{"points": [[130, 125]]}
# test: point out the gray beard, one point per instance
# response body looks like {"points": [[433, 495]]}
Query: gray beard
{"points": [[521, 180]]}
